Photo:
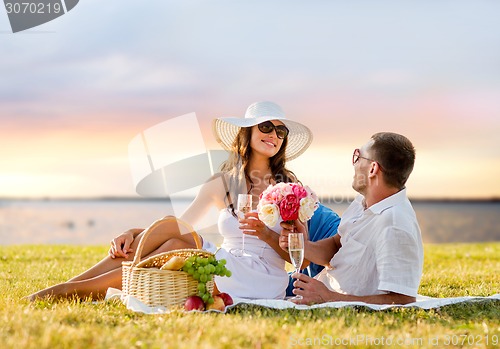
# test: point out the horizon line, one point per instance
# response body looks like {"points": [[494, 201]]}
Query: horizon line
{"points": [[324, 199]]}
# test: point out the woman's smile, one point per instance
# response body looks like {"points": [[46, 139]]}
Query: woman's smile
{"points": [[270, 143]]}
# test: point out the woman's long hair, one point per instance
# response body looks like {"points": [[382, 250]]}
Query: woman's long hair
{"points": [[236, 166]]}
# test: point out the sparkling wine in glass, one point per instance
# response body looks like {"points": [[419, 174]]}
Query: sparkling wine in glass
{"points": [[296, 251], [244, 206]]}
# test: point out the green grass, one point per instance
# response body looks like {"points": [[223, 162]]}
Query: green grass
{"points": [[450, 270]]}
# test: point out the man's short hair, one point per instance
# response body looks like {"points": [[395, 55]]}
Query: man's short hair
{"points": [[396, 155]]}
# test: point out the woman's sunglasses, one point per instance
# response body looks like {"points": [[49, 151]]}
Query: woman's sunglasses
{"points": [[268, 127]]}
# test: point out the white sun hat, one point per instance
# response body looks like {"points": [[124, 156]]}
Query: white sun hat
{"points": [[299, 137]]}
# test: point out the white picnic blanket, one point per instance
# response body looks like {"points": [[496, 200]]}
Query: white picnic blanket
{"points": [[423, 302]]}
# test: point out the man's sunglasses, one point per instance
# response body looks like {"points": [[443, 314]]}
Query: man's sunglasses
{"points": [[268, 127], [356, 156]]}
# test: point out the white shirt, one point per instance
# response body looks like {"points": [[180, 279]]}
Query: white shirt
{"points": [[381, 249]]}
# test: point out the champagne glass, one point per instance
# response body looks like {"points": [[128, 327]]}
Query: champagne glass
{"points": [[244, 206], [296, 251]]}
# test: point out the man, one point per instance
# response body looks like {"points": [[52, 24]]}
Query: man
{"points": [[376, 256]]}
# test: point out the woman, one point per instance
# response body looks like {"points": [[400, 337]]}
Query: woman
{"points": [[259, 144]]}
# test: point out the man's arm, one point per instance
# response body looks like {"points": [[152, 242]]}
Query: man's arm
{"points": [[314, 291], [319, 252]]}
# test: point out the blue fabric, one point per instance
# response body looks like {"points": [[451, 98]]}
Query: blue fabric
{"points": [[323, 224]]}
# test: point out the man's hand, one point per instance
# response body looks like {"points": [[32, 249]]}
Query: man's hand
{"points": [[311, 290], [298, 227], [120, 246]]}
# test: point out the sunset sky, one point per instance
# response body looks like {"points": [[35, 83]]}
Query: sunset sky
{"points": [[74, 92]]}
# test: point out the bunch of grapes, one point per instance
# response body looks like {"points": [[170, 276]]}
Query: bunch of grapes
{"points": [[202, 269]]}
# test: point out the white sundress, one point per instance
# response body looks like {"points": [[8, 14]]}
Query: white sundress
{"points": [[261, 275]]}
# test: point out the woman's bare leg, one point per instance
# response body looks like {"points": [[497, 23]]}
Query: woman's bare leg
{"points": [[94, 288], [97, 285], [160, 235]]}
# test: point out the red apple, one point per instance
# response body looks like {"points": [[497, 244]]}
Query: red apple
{"points": [[226, 298], [218, 304], [194, 303]]}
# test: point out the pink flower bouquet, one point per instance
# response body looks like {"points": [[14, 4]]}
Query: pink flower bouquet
{"points": [[290, 201]]}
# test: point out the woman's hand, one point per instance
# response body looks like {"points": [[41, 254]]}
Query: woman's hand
{"points": [[252, 225], [120, 246]]}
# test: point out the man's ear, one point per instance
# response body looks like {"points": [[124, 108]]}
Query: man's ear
{"points": [[374, 168]]}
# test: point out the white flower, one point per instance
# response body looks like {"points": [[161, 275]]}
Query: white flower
{"points": [[311, 194], [307, 207], [269, 214]]}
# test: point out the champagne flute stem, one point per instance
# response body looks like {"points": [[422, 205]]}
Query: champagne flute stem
{"points": [[298, 296]]}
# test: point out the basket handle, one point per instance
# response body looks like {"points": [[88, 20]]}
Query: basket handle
{"points": [[196, 236]]}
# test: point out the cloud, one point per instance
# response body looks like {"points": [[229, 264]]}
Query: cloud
{"points": [[428, 70]]}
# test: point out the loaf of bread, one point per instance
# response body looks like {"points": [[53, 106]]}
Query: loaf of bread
{"points": [[174, 263]]}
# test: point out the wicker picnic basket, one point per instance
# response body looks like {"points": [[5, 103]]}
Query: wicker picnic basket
{"points": [[154, 287]]}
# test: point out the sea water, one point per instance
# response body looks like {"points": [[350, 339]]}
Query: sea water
{"points": [[94, 222]]}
